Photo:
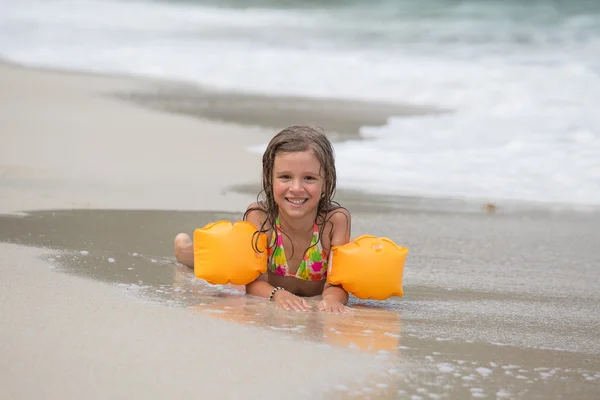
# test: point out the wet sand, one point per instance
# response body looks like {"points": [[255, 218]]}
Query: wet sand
{"points": [[482, 311], [67, 337], [497, 305], [342, 118]]}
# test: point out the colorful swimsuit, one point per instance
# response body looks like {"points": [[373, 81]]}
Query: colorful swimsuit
{"points": [[313, 266]]}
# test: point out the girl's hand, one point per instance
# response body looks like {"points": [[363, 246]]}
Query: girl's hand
{"points": [[289, 301], [332, 305]]}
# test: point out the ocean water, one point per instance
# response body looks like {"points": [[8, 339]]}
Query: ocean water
{"points": [[521, 78]]}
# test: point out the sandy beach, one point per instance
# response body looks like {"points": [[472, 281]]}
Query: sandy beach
{"points": [[97, 175]]}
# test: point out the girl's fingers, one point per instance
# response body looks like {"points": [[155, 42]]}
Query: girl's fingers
{"points": [[297, 304], [337, 309], [303, 305], [346, 310], [289, 305], [285, 305]]}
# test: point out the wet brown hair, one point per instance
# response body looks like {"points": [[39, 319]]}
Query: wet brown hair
{"points": [[291, 140]]}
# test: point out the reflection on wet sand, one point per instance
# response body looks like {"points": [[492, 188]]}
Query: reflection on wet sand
{"points": [[370, 328], [376, 331]]}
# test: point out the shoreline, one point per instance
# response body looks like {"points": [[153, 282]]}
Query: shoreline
{"points": [[242, 111], [366, 202]]}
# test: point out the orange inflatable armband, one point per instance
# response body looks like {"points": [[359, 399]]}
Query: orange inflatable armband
{"points": [[224, 253], [368, 267]]}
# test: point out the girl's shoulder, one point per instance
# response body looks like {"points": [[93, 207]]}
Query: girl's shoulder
{"points": [[336, 226], [256, 214], [338, 215]]}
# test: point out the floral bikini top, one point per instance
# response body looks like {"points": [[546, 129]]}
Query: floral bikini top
{"points": [[314, 263]]}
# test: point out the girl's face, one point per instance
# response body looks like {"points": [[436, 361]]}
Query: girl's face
{"points": [[297, 183]]}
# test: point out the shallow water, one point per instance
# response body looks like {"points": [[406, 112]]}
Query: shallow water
{"points": [[495, 305]]}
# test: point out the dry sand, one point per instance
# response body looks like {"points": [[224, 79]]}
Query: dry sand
{"points": [[68, 143]]}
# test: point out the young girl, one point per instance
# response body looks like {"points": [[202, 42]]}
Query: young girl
{"points": [[299, 215]]}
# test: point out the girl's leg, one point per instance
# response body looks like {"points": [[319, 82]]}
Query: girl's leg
{"points": [[184, 250]]}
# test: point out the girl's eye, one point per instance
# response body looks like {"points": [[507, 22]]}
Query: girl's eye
{"points": [[284, 177], [310, 178]]}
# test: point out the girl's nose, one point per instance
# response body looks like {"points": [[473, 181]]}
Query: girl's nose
{"points": [[296, 185]]}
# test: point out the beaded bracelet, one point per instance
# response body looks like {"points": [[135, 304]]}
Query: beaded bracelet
{"points": [[274, 291]]}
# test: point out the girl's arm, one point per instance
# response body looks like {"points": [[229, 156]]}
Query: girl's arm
{"points": [[259, 287], [340, 235], [334, 292]]}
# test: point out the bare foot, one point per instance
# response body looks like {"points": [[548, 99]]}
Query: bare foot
{"points": [[184, 249]]}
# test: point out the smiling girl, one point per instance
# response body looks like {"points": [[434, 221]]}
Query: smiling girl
{"points": [[298, 214]]}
